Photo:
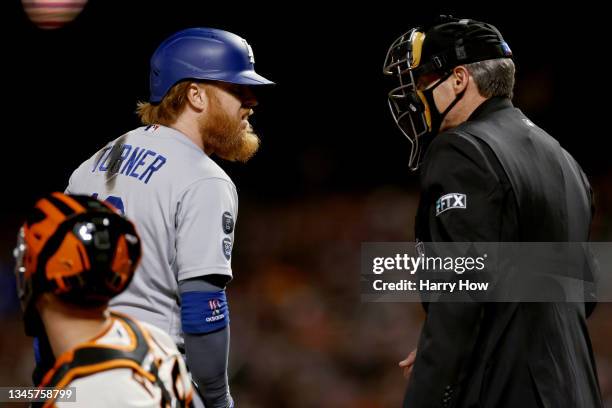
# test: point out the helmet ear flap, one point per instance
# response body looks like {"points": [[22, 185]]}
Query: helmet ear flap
{"points": [[125, 260]]}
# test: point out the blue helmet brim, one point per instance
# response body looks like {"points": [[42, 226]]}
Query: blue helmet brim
{"points": [[248, 78]]}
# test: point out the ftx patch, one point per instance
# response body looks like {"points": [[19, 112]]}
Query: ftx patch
{"points": [[451, 201]]}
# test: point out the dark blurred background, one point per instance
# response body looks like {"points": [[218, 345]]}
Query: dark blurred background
{"points": [[331, 173]]}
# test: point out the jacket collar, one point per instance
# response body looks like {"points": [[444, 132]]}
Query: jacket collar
{"points": [[490, 106]]}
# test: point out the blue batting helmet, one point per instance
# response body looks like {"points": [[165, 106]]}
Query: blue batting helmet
{"points": [[202, 53]]}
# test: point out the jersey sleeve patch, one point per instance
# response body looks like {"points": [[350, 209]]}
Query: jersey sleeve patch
{"points": [[227, 222], [226, 246]]}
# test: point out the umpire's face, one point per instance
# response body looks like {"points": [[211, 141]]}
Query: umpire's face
{"points": [[445, 93]]}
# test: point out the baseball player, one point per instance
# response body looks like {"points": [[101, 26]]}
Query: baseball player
{"points": [[185, 206], [74, 254]]}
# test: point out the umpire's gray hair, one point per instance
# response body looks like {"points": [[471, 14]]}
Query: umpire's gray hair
{"points": [[494, 77]]}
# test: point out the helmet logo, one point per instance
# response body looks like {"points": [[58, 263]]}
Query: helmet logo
{"points": [[250, 50]]}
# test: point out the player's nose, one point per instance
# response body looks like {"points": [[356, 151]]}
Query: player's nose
{"points": [[249, 100]]}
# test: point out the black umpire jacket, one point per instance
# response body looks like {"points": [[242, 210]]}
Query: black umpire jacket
{"points": [[521, 185]]}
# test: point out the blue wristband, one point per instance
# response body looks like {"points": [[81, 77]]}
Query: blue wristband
{"points": [[204, 312]]}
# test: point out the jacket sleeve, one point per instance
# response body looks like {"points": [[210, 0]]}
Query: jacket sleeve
{"points": [[466, 195]]}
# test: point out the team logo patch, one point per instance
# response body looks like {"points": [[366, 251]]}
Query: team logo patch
{"points": [[227, 248], [451, 201], [227, 222]]}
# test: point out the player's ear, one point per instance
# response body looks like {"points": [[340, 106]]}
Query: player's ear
{"points": [[460, 78], [196, 96]]}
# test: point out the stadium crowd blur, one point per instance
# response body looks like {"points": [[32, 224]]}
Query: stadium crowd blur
{"points": [[331, 174]]}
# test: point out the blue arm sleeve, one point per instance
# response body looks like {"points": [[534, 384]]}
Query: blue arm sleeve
{"points": [[205, 319]]}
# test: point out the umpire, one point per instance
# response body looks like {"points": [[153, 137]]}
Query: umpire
{"points": [[510, 181]]}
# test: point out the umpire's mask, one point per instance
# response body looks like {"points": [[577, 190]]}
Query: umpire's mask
{"points": [[434, 49]]}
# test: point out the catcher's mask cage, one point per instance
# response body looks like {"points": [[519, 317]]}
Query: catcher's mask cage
{"points": [[456, 42], [408, 106], [77, 248]]}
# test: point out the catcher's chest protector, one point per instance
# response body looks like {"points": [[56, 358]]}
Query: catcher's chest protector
{"points": [[94, 358]]}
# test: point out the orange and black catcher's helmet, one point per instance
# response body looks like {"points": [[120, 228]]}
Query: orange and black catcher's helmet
{"points": [[77, 248]]}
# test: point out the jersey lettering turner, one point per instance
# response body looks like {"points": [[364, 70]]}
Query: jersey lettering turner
{"points": [[132, 161]]}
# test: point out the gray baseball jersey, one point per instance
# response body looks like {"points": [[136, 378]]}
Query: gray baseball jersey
{"points": [[184, 207]]}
